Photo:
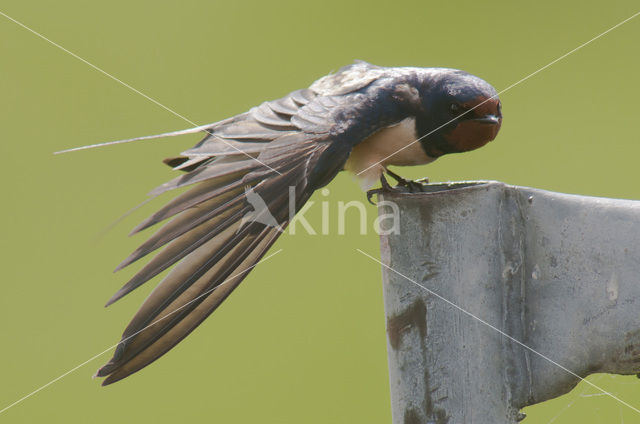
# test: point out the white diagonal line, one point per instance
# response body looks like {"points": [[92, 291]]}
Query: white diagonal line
{"points": [[500, 331], [127, 86], [573, 401], [509, 87], [60, 377]]}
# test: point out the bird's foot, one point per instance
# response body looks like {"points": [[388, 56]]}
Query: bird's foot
{"points": [[404, 186], [386, 188], [411, 186]]}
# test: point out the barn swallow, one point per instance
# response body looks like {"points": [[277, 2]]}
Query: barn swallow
{"points": [[362, 119]]}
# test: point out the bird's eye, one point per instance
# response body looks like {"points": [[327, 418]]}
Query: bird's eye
{"points": [[500, 108], [454, 108]]}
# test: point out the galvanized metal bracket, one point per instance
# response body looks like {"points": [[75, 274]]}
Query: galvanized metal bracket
{"points": [[558, 274]]}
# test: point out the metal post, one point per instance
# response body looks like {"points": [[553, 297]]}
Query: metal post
{"points": [[557, 272]]}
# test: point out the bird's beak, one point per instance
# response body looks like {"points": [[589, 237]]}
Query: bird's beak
{"points": [[488, 119]]}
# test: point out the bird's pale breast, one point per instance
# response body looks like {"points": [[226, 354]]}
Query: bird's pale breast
{"points": [[395, 145]]}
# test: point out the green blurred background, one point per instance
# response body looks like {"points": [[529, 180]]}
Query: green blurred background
{"points": [[302, 340]]}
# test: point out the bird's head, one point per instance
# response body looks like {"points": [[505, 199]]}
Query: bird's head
{"points": [[460, 112]]}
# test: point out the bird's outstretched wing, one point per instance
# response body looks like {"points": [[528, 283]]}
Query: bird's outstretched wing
{"points": [[281, 151]]}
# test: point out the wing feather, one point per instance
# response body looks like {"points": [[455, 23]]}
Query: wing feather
{"points": [[215, 170], [172, 335], [214, 251], [198, 194], [208, 240]]}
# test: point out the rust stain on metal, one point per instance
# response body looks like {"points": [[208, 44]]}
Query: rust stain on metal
{"points": [[412, 317], [411, 416]]}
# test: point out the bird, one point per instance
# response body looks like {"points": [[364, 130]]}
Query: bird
{"points": [[361, 119]]}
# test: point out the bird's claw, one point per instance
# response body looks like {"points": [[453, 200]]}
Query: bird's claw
{"points": [[386, 188], [404, 186], [412, 186], [416, 186], [377, 191]]}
